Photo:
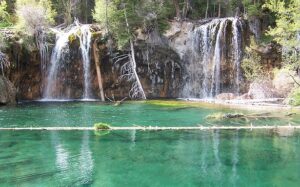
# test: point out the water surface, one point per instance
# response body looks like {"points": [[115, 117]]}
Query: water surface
{"points": [[137, 158], [150, 113], [201, 158]]}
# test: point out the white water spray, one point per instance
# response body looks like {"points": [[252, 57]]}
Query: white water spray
{"points": [[85, 46], [58, 57], [211, 49]]}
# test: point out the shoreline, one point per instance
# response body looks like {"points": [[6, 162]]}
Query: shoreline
{"points": [[250, 104]]}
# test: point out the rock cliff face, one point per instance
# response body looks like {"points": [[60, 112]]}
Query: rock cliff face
{"points": [[211, 52], [8, 92], [159, 70], [192, 59], [158, 67]]}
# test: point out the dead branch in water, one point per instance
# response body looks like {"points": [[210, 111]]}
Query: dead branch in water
{"points": [[222, 116], [116, 103]]}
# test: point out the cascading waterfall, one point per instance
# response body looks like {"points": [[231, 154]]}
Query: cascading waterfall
{"points": [[60, 53], [42, 44], [237, 28], [215, 57], [85, 45]]}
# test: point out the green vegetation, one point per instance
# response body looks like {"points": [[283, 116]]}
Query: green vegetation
{"points": [[294, 97], [34, 15], [251, 64], [115, 15], [101, 126], [5, 18], [221, 116], [287, 29]]}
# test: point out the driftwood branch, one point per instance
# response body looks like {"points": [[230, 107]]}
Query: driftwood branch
{"points": [[294, 79]]}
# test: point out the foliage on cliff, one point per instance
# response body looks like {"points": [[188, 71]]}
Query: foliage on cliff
{"points": [[287, 29], [251, 63], [148, 15], [5, 18], [34, 15]]}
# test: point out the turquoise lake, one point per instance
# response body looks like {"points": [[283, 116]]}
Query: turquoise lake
{"points": [[138, 158]]}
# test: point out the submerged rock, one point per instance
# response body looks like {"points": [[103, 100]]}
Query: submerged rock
{"points": [[7, 92]]}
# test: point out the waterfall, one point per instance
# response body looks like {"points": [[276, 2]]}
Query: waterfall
{"points": [[214, 58], [57, 56], [85, 45], [218, 54], [238, 52], [42, 44], [60, 62]]}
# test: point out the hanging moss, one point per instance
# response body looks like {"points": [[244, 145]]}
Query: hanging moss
{"points": [[72, 38]]}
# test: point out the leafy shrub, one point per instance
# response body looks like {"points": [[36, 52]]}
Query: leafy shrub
{"points": [[294, 97], [5, 18], [34, 15]]}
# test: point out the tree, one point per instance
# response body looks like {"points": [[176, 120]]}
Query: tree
{"points": [[177, 8], [123, 19], [5, 18], [33, 15], [287, 29]]}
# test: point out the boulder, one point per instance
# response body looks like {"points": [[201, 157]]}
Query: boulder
{"points": [[7, 92], [262, 89], [283, 82], [245, 96], [226, 96]]}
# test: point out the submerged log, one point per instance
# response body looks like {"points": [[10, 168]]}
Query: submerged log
{"points": [[222, 116]]}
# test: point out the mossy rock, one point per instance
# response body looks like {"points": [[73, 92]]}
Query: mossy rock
{"points": [[101, 133], [101, 126], [221, 116], [72, 38]]}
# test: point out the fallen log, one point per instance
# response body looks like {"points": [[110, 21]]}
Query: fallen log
{"points": [[150, 128]]}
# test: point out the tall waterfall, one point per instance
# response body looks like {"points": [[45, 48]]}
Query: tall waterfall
{"points": [[42, 44], [60, 60], [85, 45], [214, 58]]}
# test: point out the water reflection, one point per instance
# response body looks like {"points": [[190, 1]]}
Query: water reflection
{"points": [[204, 146], [62, 155], [86, 162], [217, 162], [235, 158], [162, 158]]}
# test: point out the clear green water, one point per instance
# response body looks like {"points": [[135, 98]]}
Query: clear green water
{"points": [[220, 158], [129, 114], [135, 158]]}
